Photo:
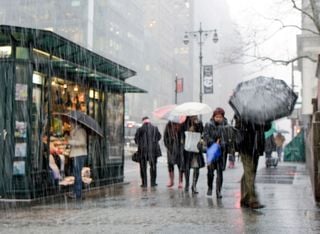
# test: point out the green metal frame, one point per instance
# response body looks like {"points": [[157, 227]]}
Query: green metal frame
{"points": [[71, 58], [68, 60]]}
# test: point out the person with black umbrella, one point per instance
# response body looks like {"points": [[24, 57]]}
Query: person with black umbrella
{"points": [[251, 146]]}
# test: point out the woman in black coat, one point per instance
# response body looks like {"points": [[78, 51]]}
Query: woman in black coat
{"points": [[192, 159], [172, 138], [213, 130]]}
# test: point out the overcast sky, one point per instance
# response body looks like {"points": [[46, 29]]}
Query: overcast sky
{"points": [[256, 17]]}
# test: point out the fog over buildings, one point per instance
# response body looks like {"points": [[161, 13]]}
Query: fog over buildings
{"points": [[146, 36]]}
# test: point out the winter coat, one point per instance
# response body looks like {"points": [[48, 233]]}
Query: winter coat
{"points": [[147, 138], [252, 137], [78, 142], [172, 139], [213, 130], [194, 127]]}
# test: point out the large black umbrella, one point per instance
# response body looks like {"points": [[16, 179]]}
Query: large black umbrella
{"points": [[263, 99], [87, 121]]}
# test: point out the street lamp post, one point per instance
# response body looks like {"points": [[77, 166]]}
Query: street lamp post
{"points": [[201, 35]]}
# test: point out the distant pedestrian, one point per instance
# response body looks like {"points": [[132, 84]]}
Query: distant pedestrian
{"points": [[232, 159], [215, 129], [269, 147], [192, 160], [279, 141], [147, 138], [172, 138], [250, 147]]}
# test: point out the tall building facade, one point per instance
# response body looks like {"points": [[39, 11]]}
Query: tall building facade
{"points": [[308, 44], [145, 36]]}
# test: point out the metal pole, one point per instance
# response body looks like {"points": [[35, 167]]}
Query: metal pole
{"points": [[176, 91], [200, 60]]}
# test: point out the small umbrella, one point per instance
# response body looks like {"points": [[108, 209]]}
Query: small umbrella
{"points": [[164, 112], [263, 99], [85, 120], [191, 109]]}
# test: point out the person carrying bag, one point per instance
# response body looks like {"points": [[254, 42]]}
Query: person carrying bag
{"points": [[192, 153]]}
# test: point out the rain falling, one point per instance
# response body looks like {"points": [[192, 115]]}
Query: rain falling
{"points": [[136, 116]]}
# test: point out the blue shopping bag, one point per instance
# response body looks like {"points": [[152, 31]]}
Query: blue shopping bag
{"points": [[213, 153]]}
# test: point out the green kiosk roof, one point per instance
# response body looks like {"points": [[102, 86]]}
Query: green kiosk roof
{"points": [[69, 56]]}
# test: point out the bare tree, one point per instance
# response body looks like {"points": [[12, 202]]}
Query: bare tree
{"points": [[250, 51]]}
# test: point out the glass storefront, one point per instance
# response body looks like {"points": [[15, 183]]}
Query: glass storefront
{"points": [[38, 87]]}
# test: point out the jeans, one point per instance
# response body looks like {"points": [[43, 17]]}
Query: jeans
{"points": [[78, 163]]}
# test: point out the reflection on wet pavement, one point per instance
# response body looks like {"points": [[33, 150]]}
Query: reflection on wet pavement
{"points": [[131, 209]]}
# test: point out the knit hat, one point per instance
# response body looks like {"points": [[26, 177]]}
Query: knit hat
{"points": [[218, 111]]}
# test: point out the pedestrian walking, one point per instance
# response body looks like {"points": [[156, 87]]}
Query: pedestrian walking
{"points": [[147, 138], [192, 159], [279, 141], [213, 130], [78, 144], [250, 145], [172, 138], [232, 159], [270, 146]]}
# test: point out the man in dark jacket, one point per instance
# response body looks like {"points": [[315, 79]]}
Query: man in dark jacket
{"points": [[250, 147], [147, 138], [213, 130]]}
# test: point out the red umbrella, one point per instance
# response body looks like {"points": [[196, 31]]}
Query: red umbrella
{"points": [[164, 112]]}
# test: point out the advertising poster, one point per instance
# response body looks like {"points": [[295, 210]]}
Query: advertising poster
{"points": [[207, 79]]}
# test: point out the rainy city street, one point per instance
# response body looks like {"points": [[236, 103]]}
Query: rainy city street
{"points": [[127, 208], [95, 95]]}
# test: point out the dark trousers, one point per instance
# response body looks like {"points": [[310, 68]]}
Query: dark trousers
{"points": [[78, 163], [218, 165], [143, 171]]}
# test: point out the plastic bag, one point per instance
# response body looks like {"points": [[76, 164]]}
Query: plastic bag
{"points": [[213, 153], [191, 141]]}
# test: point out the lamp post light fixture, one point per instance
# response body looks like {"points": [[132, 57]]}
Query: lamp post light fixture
{"points": [[201, 36]]}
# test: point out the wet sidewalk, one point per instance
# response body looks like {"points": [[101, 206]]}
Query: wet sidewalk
{"points": [[285, 190]]}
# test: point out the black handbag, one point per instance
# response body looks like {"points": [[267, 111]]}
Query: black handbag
{"points": [[135, 157]]}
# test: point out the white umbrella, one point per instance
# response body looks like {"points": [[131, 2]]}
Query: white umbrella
{"points": [[191, 108]]}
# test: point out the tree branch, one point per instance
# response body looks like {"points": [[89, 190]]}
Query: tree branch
{"points": [[296, 26], [306, 14], [286, 62]]}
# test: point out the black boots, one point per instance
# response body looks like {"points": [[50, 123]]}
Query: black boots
{"points": [[194, 181], [153, 175], [210, 183]]}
